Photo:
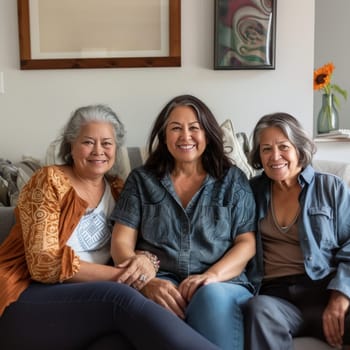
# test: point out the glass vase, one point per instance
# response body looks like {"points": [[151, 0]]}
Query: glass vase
{"points": [[328, 117]]}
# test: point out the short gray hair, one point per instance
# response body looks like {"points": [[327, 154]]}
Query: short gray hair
{"points": [[290, 126], [82, 116]]}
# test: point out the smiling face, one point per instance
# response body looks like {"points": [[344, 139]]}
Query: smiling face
{"points": [[94, 150], [184, 136], [278, 156]]}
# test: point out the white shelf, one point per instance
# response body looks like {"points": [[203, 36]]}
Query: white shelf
{"points": [[332, 139]]}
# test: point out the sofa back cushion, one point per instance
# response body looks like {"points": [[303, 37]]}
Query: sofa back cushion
{"points": [[13, 176], [7, 220], [340, 169]]}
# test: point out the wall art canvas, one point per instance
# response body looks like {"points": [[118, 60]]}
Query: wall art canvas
{"points": [[245, 32]]}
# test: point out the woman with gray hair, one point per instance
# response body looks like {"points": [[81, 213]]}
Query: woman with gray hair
{"points": [[303, 242], [58, 288]]}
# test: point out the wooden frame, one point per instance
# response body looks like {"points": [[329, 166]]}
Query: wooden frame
{"points": [[171, 59], [245, 35]]}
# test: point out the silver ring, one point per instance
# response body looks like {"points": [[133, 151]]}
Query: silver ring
{"points": [[143, 278]]}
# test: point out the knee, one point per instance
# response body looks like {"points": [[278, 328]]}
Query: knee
{"points": [[214, 298], [210, 294], [259, 307], [118, 293]]}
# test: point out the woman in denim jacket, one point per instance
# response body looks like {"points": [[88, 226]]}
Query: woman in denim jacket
{"points": [[303, 254], [192, 209]]}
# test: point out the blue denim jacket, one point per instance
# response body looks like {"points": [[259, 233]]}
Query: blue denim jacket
{"points": [[187, 240], [324, 226]]}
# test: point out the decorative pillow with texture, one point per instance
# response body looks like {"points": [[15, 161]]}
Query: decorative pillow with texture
{"points": [[13, 176], [26, 169], [237, 150], [51, 156], [130, 158], [4, 201]]}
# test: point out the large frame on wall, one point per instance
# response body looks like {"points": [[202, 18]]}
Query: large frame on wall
{"points": [[58, 34], [245, 34]]}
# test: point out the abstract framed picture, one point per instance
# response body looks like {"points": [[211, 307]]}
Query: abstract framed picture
{"points": [[245, 34], [57, 34]]}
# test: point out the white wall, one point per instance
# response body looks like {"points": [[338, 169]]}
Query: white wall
{"points": [[332, 28], [37, 103]]}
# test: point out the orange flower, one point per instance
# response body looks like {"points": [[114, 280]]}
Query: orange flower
{"points": [[323, 75], [322, 81]]}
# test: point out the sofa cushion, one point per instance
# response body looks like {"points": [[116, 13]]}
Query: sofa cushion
{"points": [[4, 199], [340, 169], [26, 167], [13, 177], [237, 147], [129, 158], [7, 220], [309, 343]]}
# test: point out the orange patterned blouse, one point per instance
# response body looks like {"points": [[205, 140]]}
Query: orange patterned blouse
{"points": [[47, 213]]}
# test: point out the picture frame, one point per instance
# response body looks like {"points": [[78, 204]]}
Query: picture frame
{"points": [[244, 34], [46, 43]]}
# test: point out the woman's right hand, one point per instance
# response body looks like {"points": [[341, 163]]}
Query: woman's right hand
{"points": [[334, 318], [138, 271], [166, 294]]}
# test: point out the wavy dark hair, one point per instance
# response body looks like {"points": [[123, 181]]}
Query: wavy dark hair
{"points": [[290, 126], [214, 159]]}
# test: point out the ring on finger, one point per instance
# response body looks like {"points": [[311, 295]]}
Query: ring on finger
{"points": [[143, 278]]}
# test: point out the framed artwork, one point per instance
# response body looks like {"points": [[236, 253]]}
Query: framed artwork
{"points": [[58, 34], [245, 34]]}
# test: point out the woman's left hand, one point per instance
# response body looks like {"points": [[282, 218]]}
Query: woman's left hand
{"points": [[138, 271], [190, 284], [334, 317]]}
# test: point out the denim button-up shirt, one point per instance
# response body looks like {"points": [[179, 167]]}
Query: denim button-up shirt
{"points": [[324, 226], [187, 240]]}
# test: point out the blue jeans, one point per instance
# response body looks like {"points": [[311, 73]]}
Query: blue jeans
{"points": [[215, 312], [93, 315]]}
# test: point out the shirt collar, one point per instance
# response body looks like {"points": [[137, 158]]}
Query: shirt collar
{"points": [[306, 175]]}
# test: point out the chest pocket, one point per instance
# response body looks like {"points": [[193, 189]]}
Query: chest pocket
{"points": [[322, 224], [158, 224], [215, 223]]}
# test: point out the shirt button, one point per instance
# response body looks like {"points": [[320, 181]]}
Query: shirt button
{"points": [[309, 258]]}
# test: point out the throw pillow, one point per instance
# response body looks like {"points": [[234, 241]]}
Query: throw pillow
{"points": [[26, 168], [237, 147], [4, 200], [129, 158]]}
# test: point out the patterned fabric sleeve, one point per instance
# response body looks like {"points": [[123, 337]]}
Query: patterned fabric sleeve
{"points": [[48, 259]]}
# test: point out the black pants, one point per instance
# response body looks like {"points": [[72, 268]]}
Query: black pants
{"points": [[96, 315]]}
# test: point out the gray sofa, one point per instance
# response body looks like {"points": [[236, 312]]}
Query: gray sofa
{"points": [[136, 157], [7, 219]]}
